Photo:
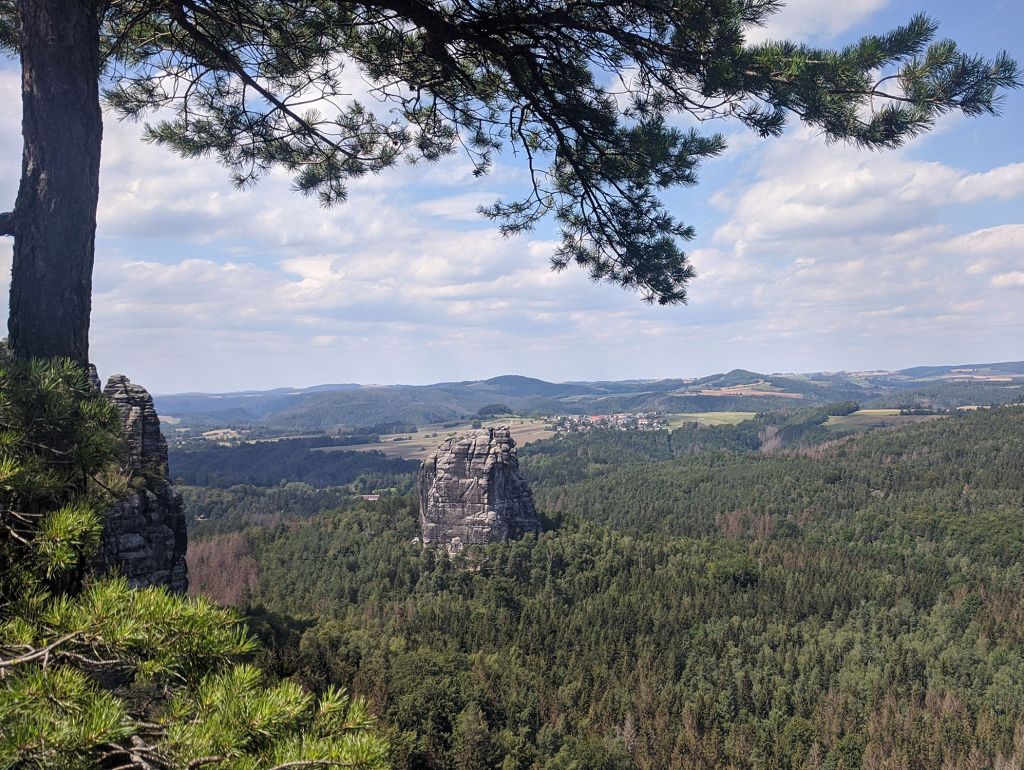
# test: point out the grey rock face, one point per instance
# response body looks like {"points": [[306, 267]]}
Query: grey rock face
{"points": [[471, 492], [144, 535], [94, 379]]}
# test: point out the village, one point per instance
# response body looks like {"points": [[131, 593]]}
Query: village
{"points": [[581, 423]]}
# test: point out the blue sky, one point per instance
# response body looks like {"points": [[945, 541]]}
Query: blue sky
{"points": [[810, 257]]}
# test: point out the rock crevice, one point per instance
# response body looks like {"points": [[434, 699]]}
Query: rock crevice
{"points": [[471, 491]]}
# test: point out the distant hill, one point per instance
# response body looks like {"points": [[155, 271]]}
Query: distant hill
{"points": [[526, 387], [349, 406], [245, 404], [1007, 368]]}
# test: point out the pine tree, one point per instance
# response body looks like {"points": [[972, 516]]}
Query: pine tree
{"points": [[583, 93], [94, 674]]}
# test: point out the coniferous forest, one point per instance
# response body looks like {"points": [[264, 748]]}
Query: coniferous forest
{"points": [[853, 603]]}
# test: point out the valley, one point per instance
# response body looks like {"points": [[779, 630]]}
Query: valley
{"points": [[711, 589], [738, 589], [393, 410], [416, 446]]}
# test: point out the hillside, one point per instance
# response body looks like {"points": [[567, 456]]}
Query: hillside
{"points": [[851, 604], [358, 408]]}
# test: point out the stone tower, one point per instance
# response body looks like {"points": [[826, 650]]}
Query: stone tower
{"points": [[144, 534], [471, 491]]}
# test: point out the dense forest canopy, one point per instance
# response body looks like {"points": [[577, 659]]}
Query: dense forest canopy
{"points": [[268, 463], [851, 604]]}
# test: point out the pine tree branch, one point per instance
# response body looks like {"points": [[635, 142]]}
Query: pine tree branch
{"points": [[197, 763], [7, 223], [42, 652], [235, 66]]}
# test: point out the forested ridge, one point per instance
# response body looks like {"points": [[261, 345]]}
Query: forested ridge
{"points": [[369, 409], [268, 463], [855, 604]]}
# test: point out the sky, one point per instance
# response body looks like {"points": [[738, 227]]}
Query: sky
{"points": [[810, 257]]}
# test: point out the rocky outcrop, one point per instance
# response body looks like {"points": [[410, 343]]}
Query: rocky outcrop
{"points": [[144, 535], [471, 491]]}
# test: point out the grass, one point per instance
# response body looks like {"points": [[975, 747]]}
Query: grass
{"points": [[709, 418], [417, 446], [866, 419]]}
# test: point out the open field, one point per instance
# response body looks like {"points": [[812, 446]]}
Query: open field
{"points": [[866, 419], [709, 418], [416, 446], [760, 390], [221, 434]]}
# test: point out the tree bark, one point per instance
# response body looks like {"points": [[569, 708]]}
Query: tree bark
{"points": [[54, 220]]}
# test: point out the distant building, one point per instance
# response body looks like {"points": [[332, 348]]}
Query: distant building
{"points": [[370, 497]]}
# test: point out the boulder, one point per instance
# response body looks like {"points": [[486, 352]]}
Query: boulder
{"points": [[471, 492]]}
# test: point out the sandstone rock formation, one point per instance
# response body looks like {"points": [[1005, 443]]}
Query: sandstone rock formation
{"points": [[471, 492], [144, 535]]}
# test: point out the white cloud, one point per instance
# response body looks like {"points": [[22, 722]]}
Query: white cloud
{"points": [[1002, 239], [843, 255], [1004, 183], [823, 257], [817, 20], [816, 190], [1009, 280], [457, 207]]}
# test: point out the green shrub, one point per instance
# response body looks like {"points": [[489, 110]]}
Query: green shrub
{"points": [[94, 674]]}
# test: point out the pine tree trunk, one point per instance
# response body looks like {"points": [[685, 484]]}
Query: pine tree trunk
{"points": [[55, 213]]}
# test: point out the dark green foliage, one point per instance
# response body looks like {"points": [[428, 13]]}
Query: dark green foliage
{"points": [[9, 26], [211, 510], [58, 446], [949, 395], [841, 408], [493, 410], [95, 675], [573, 457], [940, 468], [849, 606], [269, 463], [578, 456]]}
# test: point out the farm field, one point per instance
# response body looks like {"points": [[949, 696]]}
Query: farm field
{"points": [[416, 446], [709, 418], [866, 419]]}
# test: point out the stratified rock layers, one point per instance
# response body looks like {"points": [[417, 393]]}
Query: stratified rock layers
{"points": [[471, 491], [144, 535]]}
